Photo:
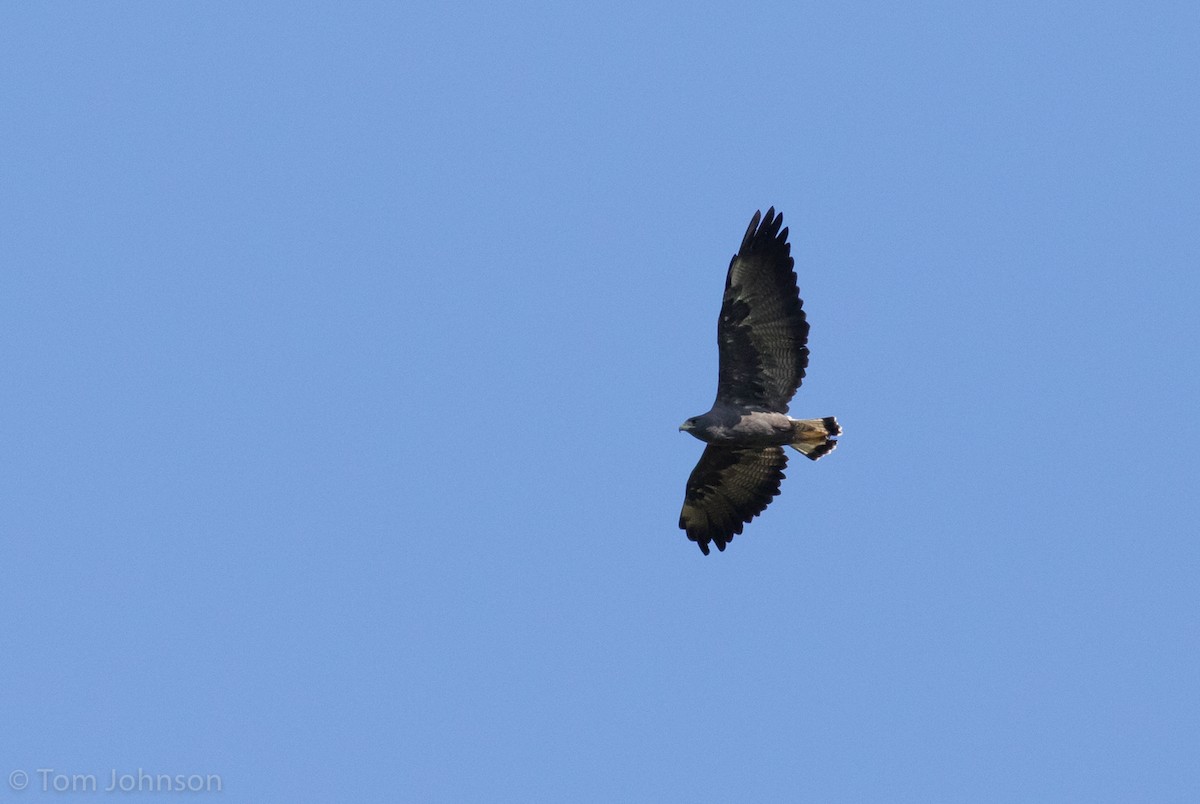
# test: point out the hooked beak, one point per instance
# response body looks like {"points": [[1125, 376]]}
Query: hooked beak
{"points": [[685, 427]]}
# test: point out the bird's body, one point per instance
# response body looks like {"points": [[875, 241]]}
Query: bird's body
{"points": [[762, 334], [728, 426]]}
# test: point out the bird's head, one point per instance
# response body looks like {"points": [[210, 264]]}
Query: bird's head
{"points": [[688, 426]]}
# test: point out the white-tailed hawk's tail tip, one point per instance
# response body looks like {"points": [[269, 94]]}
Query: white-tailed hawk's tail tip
{"points": [[814, 438]]}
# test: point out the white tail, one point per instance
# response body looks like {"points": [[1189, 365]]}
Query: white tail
{"points": [[814, 438]]}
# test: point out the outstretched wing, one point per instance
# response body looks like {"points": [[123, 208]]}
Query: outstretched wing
{"points": [[728, 488], [762, 333]]}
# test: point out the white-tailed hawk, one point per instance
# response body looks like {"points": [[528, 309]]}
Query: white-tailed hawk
{"points": [[762, 336]]}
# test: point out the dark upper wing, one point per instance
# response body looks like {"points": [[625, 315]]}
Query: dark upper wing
{"points": [[728, 488], [762, 334]]}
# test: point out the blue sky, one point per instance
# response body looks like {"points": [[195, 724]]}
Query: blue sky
{"points": [[345, 348]]}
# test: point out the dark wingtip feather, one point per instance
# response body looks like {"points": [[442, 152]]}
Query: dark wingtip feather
{"points": [[748, 238], [770, 226], [758, 237]]}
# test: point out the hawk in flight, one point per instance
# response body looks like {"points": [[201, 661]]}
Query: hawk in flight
{"points": [[762, 336]]}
